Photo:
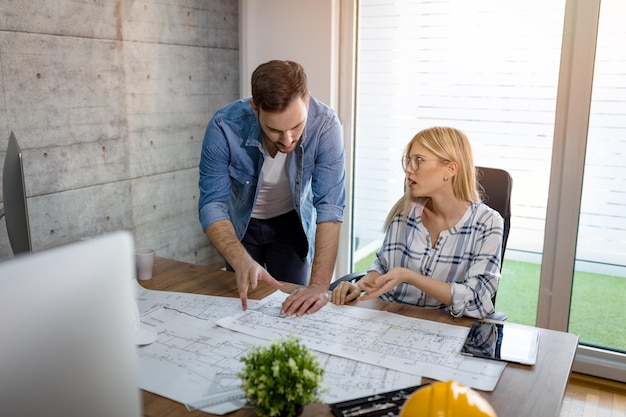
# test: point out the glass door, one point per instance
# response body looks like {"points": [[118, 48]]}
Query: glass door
{"points": [[475, 66], [597, 308]]}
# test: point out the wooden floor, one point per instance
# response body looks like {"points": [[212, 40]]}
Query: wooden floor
{"points": [[594, 397]]}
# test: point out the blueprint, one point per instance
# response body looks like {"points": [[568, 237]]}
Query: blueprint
{"points": [[419, 347], [203, 306], [195, 362]]}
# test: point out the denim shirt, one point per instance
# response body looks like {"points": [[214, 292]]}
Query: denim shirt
{"points": [[232, 157]]}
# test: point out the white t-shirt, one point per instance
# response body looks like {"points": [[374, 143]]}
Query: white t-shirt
{"points": [[274, 196]]}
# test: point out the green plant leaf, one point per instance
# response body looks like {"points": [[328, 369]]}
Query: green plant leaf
{"points": [[281, 377]]}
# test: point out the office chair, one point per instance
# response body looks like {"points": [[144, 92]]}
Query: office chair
{"points": [[496, 186]]}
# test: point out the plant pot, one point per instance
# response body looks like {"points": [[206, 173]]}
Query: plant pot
{"points": [[299, 410]]}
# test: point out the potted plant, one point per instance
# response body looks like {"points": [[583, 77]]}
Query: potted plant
{"points": [[281, 378]]}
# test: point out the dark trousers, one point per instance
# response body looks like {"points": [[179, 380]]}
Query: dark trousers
{"points": [[280, 246]]}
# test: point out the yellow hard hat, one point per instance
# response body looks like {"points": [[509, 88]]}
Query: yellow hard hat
{"points": [[446, 399]]}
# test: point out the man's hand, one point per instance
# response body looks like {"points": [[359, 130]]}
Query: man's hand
{"points": [[305, 301], [249, 277], [310, 299], [247, 271]]}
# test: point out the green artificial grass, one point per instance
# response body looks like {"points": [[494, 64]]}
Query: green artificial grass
{"points": [[596, 311], [597, 307], [364, 263], [518, 292]]}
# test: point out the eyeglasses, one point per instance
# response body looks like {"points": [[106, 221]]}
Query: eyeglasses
{"points": [[414, 162]]}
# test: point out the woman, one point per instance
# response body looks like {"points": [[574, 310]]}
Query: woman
{"points": [[442, 247]]}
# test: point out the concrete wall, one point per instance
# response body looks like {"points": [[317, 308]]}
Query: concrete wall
{"points": [[109, 101]]}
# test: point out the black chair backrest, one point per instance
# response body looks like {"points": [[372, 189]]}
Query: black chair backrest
{"points": [[496, 193]]}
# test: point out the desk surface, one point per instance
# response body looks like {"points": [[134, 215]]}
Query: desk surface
{"points": [[522, 390]]}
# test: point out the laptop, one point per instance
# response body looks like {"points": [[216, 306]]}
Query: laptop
{"points": [[67, 345]]}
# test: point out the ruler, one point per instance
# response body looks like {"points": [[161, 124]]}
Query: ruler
{"points": [[215, 399]]}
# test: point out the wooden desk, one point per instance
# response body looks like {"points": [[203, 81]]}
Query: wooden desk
{"points": [[522, 390]]}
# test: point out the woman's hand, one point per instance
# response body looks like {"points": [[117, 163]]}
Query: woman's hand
{"points": [[376, 285], [344, 293]]}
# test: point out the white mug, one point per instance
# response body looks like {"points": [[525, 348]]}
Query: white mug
{"points": [[144, 260]]}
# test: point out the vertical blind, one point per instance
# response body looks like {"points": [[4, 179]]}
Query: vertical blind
{"points": [[602, 230], [489, 68]]}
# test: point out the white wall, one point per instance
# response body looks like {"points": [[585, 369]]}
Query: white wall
{"points": [[319, 35], [304, 31]]}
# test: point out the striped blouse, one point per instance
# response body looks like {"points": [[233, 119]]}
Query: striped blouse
{"points": [[467, 256]]}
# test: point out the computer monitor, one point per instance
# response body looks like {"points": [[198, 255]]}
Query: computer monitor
{"points": [[14, 196], [67, 331]]}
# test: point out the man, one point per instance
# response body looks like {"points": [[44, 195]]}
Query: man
{"points": [[271, 168]]}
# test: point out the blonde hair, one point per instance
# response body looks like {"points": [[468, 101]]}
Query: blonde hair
{"points": [[447, 144]]}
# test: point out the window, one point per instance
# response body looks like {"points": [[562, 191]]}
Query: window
{"points": [[495, 69], [475, 66], [597, 305]]}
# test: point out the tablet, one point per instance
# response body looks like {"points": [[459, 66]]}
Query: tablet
{"points": [[502, 341]]}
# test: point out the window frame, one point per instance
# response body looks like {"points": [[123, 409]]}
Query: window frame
{"points": [[566, 175]]}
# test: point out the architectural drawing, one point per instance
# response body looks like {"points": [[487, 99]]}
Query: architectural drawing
{"points": [[194, 361], [419, 347]]}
